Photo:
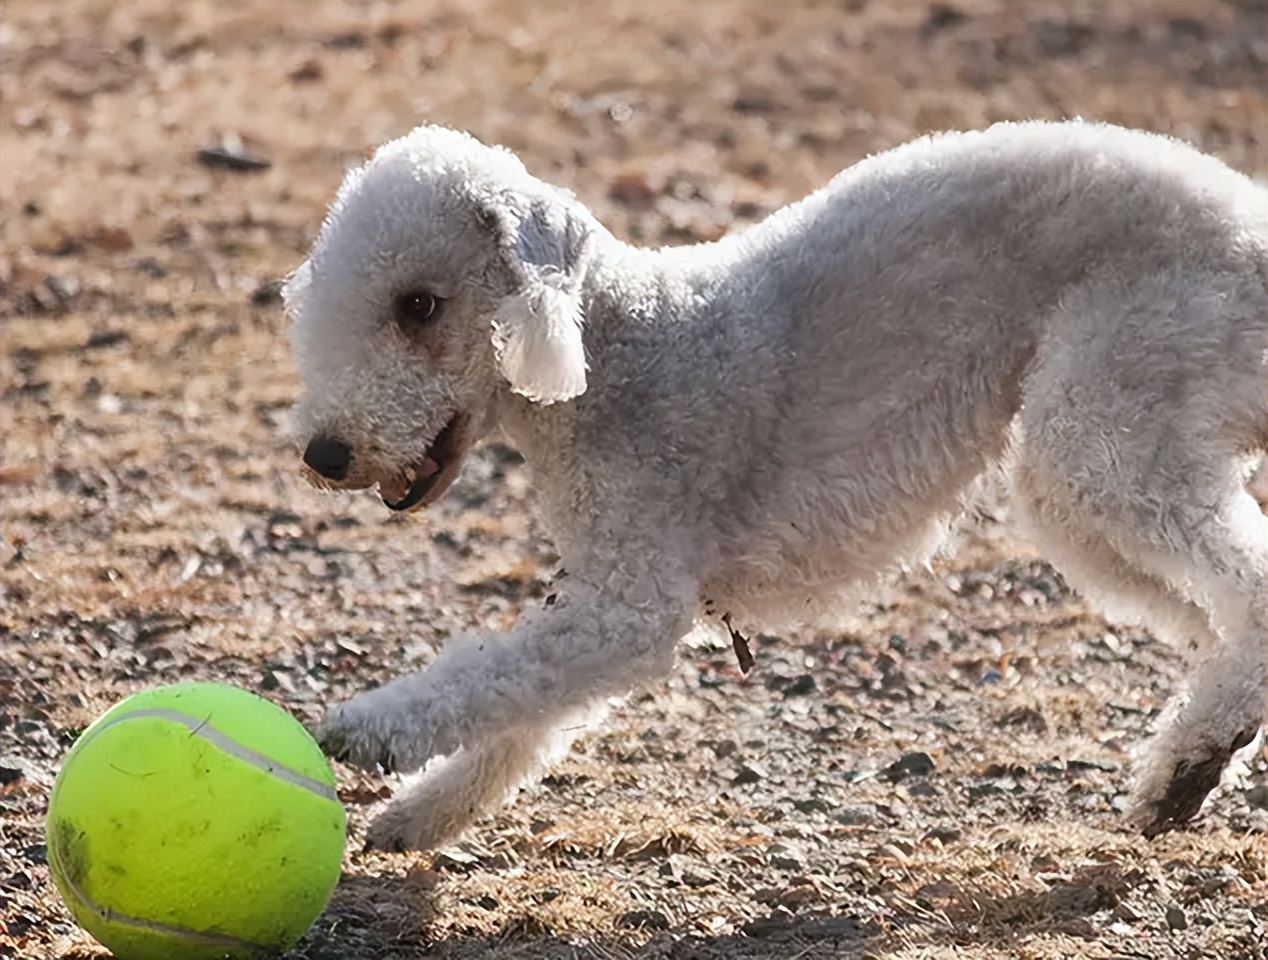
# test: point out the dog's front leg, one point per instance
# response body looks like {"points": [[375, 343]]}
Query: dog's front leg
{"points": [[599, 641], [497, 707]]}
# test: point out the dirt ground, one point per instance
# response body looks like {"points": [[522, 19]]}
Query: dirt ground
{"points": [[943, 779]]}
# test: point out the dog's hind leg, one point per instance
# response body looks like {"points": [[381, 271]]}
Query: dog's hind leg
{"points": [[1129, 474], [1227, 695], [1224, 705]]}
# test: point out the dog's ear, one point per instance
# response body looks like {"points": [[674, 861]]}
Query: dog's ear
{"points": [[537, 329]]}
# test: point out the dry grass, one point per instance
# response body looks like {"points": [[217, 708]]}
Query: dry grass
{"points": [[153, 527]]}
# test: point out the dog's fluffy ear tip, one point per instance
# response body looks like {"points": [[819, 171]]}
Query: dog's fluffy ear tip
{"points": [[547, 396], [546, 374], [537, 341]]}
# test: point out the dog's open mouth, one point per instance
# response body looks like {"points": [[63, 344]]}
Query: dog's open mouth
{"points": [[428, 479]]}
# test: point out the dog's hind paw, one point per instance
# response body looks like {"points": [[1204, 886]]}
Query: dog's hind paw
{"points": [[1190, 783], [1188, 789]]}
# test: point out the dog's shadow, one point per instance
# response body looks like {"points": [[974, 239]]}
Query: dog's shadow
{"points": [[389, 918]]}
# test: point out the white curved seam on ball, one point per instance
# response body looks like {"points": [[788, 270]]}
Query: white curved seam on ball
{"points": [[200, 728], [150, 926]]}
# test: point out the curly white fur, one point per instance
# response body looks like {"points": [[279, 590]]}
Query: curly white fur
{"points": [[766, 421]]}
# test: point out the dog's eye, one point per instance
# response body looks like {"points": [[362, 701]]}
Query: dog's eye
{"points": [[416, 308]]}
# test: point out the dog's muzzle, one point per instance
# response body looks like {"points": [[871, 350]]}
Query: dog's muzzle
{"points": [[428, 479]]}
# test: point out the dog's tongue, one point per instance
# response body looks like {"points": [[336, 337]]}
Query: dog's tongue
{"points": [[397, 488]]}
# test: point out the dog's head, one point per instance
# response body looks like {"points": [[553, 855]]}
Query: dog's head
{"points": [[444, 273]]}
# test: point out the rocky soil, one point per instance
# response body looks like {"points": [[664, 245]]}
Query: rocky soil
{"points": [[941, 779]]}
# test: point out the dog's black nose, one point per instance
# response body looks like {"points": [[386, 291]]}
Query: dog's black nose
{"points": [[328, 457]]}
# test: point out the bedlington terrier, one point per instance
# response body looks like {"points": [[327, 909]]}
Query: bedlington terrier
{"points": [[751, 427]]}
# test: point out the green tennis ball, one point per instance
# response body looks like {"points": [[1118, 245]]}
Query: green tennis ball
{"points": [[195, 821]]}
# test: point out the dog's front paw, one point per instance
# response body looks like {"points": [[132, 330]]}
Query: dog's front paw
{"points": [[355, 733], [385, 834], [437, 807], [398, 829]]}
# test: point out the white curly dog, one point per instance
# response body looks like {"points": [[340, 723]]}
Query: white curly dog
{"points": [[752, 426]]}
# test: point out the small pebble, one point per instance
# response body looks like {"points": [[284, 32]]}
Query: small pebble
{"points": [[908, 765], [750, 772], [783, 857]]}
